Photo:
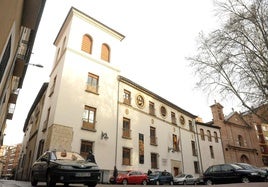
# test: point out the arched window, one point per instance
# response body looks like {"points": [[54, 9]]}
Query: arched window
{"points": [[105, 52], [202, 134], [240, 140], [209, 135], [86, 44], [216, 137]]}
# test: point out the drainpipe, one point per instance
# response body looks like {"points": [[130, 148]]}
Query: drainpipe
{"points": [[200, 155], [117, 123], [181, 150]]}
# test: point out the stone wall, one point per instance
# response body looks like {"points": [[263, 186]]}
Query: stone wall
{"points": [[59, 137]]}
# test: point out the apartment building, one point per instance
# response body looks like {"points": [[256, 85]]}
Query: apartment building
{"points": [[19, 24], [30, 129], [10, 159], [88, 105], [239, 137]]}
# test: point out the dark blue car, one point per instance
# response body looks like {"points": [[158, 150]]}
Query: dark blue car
{"points": [[160, 177]]}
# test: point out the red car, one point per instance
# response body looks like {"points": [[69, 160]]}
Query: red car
{"points": [[132, 177]]}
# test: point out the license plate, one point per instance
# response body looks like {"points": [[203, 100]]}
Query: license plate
{"points": [[83, 174]]}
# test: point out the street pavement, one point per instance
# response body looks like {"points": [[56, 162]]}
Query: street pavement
{"points": [[12, 183]]}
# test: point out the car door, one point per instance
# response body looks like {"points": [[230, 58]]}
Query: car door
{"points": [[132, 177], [138, 177], [189, 179], [161, 177], [168, 177], [229, 174], [216, 174], [42, 165]]}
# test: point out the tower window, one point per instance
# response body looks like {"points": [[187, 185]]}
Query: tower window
{"points": [[105, 52], [87, 44]]}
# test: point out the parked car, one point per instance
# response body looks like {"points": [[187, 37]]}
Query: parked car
{"points": [[132, 177], [263, 173], [229, 173], [112, 180], [264, 169], [185, 179], [64, 167], [161, 177]]}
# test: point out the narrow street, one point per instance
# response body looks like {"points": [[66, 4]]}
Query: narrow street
{"points": [[12, 183]]}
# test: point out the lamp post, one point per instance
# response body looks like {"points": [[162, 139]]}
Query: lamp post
{"points": [[37, 65]]}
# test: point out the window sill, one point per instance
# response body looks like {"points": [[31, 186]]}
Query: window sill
{"points": [[88, 129], [127, 137], [89, 91]]}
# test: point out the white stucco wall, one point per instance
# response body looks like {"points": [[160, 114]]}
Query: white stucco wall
{"points": [[204, 147]]}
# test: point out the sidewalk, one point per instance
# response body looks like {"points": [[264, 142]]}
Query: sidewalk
{"points": [[12, 183]]}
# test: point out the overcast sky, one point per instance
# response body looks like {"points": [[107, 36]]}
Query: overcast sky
{"points": [[159, 35]]}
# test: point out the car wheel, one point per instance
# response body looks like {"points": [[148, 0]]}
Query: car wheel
{"points": [[125, 181], [50, 180], [144, 182], [92, 184], [171, 183], [34, 181], [209, 182], [245, 180], [157, 183]]}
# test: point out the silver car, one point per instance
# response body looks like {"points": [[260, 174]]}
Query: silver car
{"points": [[185, 179]]}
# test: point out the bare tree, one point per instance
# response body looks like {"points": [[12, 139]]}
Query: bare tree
{"points": [[233, 60]]}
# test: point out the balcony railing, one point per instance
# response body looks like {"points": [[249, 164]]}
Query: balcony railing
{"points": [[11, 110], [152, 111], [126, 133], [13, 98], [173, 120], [91, 88], [89, 126], [153, 140], [126, 101]]}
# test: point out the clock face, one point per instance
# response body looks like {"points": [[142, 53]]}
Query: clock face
{"points": [[140, 101]]}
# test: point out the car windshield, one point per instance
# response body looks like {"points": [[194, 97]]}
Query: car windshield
{"points": [[236, 166], [123, 172], [155, 173], [247, 166], [66, 156], [181, 175]]}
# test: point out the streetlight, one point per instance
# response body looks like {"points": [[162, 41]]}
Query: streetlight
{"points": [[37, 65]]}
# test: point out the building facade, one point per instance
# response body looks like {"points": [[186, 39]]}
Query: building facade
{"points": [[258, 118], [88, 105], [30, 129], [19, 24], [209, 145], [239, 137], [10, 159]]}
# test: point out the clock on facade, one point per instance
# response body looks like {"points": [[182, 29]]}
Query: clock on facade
{"points": [[140, 101]]}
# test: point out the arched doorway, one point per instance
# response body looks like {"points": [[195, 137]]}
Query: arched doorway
{"points": [[244, 159]]}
